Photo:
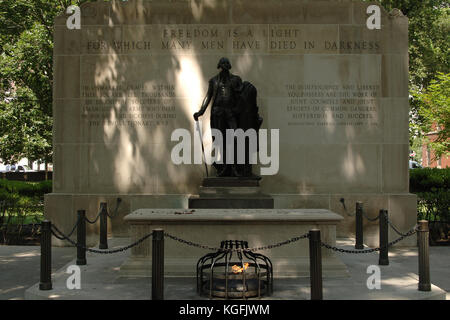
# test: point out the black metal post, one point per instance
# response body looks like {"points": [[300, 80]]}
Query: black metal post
{"points": [[103, 226], [158, 265], [424, 256], [81, 238], [315, 264], [46, 256], [384, 238], [359, 244]]}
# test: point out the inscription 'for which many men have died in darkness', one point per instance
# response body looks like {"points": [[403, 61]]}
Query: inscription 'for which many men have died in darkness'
{"points": [[239, 38]]}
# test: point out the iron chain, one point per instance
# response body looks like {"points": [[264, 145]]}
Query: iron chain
{"points": [[93, 221], [409, 233], [345, 208], [115, 210], [190, 243], [61, 236], [201, 246], [74, 227], [277, 245], [370, 219], [64, 237], [395, 229], [58, 236]]}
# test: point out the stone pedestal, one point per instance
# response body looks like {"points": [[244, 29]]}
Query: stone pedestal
{"points": [[260, 227], [231, 193]]}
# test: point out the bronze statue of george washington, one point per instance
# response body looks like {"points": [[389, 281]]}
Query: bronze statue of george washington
{"points": [[233, 107]]}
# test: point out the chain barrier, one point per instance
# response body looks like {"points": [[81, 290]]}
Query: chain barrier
{"points": [[354, 215], [370, 219], [62, 236], [362, 210], [370, 250], [93, 221], [376, 218], [395, 229], [201, 246], [119, 201], [342, 201], [71, 232], [190, 243], [279, 244], [74, 227], [364, 215], [306, 235]]}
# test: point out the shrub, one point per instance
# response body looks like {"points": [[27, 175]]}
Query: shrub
{"points": [[24, 189], [429, 179], [20, 195], [432, 187], [8, 196]]}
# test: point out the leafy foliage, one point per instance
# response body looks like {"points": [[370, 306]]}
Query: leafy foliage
{"points": [[24, 193], [429, 179], [432, 187], [429, 27], [30, 189], [26, 77], [429, 56], [434, 206], [434, 110]]}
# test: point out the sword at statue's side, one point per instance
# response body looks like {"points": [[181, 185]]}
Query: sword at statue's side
{"points": [[203, 149]]}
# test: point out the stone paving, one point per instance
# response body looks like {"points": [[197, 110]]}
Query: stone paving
{"points": [[100, 279]]}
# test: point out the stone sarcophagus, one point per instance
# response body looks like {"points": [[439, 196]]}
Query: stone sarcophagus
{"points": [[209, 227]]}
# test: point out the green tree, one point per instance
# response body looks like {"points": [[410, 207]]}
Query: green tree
{"points": [[26, 101], [435, 112], [429, 39], [26, 76]]}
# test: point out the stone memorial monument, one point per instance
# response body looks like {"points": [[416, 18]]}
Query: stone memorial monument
{"points": [[332, 90]]}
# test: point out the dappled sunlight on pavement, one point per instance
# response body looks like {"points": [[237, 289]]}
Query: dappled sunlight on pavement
{"points": [[20, 265]]}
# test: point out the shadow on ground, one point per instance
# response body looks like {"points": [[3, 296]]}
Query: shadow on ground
{"points": [[20, 267]]}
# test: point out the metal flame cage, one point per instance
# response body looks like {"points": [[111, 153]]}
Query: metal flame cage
{"points": [[216, 278]]}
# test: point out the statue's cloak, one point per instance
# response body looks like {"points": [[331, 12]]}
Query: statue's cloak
{"points": [[247, 108]]}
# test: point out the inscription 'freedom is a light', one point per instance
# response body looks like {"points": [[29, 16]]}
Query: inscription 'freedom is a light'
{"points": [[257, 37]]}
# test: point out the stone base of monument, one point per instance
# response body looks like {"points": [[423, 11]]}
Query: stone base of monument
{"points": [[61, 209], [260, 227], [231, 193]]}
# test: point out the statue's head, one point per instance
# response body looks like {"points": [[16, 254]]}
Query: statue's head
{"points": [[224, 64]]}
